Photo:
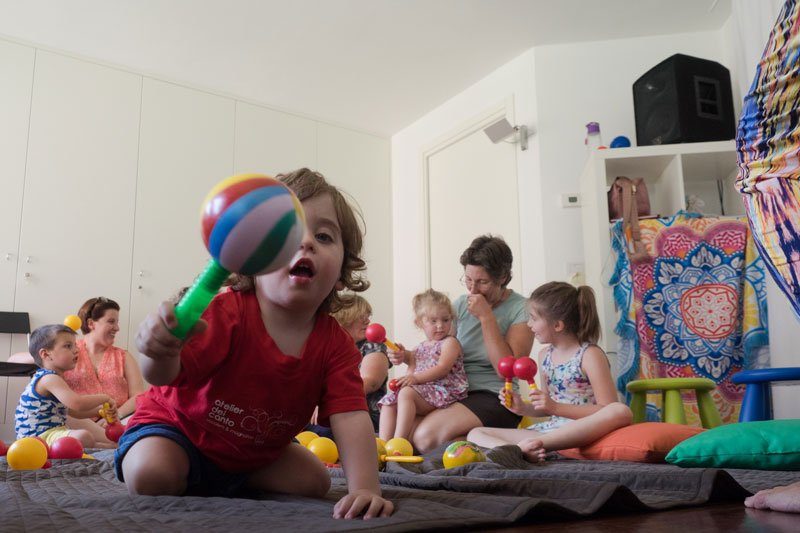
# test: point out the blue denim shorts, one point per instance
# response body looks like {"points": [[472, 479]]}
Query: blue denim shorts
{"points": [[205, 477]]}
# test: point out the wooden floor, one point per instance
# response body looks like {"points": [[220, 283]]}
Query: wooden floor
{"points": [[726, 517]]}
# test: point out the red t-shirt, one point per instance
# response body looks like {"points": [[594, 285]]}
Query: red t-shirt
{"points": [[239, 399]]}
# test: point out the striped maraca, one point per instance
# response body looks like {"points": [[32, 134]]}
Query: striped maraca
{"points": [[252, 224]]}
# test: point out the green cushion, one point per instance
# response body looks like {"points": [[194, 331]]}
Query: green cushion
{"points": [[765, 445]]}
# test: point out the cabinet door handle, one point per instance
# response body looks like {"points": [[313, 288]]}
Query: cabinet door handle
{"points": [[28, 259], [8, 257]]}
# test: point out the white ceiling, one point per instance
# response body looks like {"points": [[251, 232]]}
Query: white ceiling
{"points": [[373, 65]]}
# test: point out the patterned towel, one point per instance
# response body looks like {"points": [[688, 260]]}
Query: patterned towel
{"points": [[699, 309]]}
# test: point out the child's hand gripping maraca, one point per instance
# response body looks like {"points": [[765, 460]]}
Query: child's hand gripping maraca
{"points": [[377, 333], [525, 368], [114, 429], [251, 224], [505, 367]]}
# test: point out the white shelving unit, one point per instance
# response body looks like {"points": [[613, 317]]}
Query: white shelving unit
{"points": [[672, 173]]}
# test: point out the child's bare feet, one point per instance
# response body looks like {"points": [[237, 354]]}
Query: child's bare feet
{"points": [[786, 499], [533, 450]]}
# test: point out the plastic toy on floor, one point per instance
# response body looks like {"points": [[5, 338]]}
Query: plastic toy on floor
{"points": [[460, 453], [27, 453], [66, 448]]}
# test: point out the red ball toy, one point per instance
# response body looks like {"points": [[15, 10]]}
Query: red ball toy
{"points": [[505, 367], [375, 333], [114, 431], [525, 368], [46, 447], [66, 448], [393, 386]]}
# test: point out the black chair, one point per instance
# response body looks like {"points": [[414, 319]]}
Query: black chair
{"points": [[11, 322]]}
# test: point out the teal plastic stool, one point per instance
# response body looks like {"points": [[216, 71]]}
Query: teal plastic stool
{"points": [[672, 410]]}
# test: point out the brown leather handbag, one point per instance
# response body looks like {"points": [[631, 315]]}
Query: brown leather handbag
{"points": [[628, 200]]}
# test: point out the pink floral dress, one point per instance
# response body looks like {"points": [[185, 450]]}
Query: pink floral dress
{"points": [[442, 392], [109, 378], [566, 383]]}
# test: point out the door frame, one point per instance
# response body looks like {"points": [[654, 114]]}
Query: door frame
{"points": [[504, 109]]}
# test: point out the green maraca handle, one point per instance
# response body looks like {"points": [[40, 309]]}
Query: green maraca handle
{"points": [[197, 298]]}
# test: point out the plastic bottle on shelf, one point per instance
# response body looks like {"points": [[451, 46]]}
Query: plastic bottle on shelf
{"points": [[593, 140]]}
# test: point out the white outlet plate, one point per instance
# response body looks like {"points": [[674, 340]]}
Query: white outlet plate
{"points": [[570, 199]]}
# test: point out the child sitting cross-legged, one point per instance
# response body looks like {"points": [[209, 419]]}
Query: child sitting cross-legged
{"points": [[577, 393], [46, 401]]}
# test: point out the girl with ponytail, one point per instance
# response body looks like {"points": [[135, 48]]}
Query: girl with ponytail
{"points": [[577, 391]]}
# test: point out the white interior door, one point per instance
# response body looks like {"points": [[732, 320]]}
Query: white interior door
{"points": [[472, 190], [16, 71], [186, 148], [77, 215]]}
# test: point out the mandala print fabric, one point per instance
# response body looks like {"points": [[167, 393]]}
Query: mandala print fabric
{"points": [[698, 309]]}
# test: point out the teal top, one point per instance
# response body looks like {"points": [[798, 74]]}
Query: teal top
{"points": [[480, 372]]}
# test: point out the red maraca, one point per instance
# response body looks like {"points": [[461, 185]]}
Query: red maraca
{"points": [[393, 386], [66, 448], [114, 429], [525, 368], [505, 367], [377, 333]]}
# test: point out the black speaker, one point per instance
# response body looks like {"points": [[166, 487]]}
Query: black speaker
{"points": [[683, 99]]}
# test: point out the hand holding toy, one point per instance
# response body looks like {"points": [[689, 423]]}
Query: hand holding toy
{"points": [[505, 367], [251, 225], [114, 429], [377, 333]]}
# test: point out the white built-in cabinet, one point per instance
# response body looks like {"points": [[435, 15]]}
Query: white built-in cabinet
{"points": [[80, 187], [672, 173], [103, 173], [186, 147]]}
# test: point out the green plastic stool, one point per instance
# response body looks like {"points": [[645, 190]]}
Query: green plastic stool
{"points": [[671, 399]]}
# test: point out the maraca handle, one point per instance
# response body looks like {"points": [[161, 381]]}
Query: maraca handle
{"points": [[392, 346], [531, 387], [104, 413], [507, 393], [197, 298], [401, 458]]}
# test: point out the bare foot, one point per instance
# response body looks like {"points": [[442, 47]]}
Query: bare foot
{"points": [[786, 499], [533, 450]]}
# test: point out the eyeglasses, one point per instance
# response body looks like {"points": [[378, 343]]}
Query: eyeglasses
{"points": [[479, 283]]}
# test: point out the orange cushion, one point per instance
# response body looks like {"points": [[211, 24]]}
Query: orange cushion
{"points": [[648, 442]]}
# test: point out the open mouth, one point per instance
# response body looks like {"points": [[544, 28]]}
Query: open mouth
{"points": [[303, 268]]}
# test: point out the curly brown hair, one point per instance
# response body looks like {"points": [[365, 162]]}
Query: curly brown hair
{"points": [[306, 184]]}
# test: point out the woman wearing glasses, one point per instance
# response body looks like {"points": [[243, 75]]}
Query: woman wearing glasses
{"points": [[103, 367], [491, 324]]}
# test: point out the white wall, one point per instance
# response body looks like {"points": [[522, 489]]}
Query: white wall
{"points": [[584, 82], [264, 140], [745, 36], [511, 85]]}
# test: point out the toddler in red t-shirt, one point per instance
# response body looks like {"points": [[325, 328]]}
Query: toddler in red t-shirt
{"points": [[227, 402]]}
